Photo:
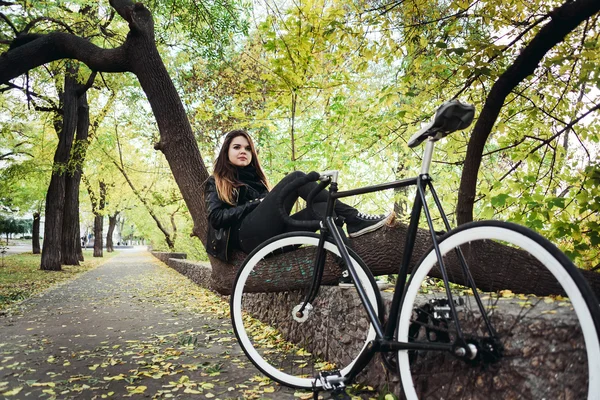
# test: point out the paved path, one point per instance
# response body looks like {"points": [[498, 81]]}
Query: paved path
{"points": [[129, 327], [18, 248]]}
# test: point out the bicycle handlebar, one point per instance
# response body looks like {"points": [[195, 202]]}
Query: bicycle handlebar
{"points": [[313, 193], [310, 177]]}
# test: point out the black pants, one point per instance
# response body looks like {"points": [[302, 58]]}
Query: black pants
{"points": [[265, 222]]}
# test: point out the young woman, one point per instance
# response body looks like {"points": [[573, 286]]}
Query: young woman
{"points": [[242, 209]]}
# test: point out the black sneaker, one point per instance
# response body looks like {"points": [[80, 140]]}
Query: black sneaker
{"points": [[365, 223]]}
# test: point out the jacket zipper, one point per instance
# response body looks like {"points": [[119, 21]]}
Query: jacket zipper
{"points": [[237, 197]]}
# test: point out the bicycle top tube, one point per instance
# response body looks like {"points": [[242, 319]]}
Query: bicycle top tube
{"points": [[450, 117]]}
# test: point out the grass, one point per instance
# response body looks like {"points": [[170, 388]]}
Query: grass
{"points": [[21, 277]]}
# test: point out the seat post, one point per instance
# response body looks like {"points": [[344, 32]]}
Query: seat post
{"points": [[427, 156]]}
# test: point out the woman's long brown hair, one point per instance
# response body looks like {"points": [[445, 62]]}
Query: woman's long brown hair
{"points": [[225, 172]]}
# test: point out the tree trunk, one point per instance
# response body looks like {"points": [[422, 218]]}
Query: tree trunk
{"points": [[112, 222], [55, 198], [98, 228], [99, 221], [72, 252], [564, 20], [383, 251], [35, 238], [177, 140], [71, 237]]}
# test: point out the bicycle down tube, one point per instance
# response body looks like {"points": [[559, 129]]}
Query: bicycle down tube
{"points": [[422, 182], [383, 341]]}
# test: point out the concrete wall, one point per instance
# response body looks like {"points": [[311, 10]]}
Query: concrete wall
{"points": [[339, 312]]}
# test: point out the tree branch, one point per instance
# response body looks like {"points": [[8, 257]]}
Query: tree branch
{"points": [[84, 88], [9, 22], [41, 49], [135, 14], [474, 77], [34, 21], [14, 153], [564, 19], [93, 199], [30, 93], [551, 138]]}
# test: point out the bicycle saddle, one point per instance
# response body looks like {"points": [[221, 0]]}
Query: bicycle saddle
{"points": [[450, 117]]}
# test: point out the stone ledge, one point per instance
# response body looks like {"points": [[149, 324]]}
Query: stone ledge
{"points": [[198, 272], [550, 327], [164, 256], [374, 375]]}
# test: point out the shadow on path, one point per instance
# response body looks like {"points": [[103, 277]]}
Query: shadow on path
{"points": [[131, 327]]}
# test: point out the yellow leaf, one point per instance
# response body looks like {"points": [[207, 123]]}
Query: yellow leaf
{"points": [[49, 384], [303, 395], [136, 389], [13, 392], [114, 378], [269, 389], [209, 395]]}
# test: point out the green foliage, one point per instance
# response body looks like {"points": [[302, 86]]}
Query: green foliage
{"points": [[11, 226], [343, 85], [208, 29]]}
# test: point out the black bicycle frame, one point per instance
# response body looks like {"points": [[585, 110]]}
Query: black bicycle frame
{"points": [[384, 340]]}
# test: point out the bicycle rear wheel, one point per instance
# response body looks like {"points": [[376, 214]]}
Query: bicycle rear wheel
{"points": [[545, 316], [271, 283]]}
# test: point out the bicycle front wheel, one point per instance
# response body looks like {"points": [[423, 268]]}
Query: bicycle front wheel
{"points": [[268, 290], [540, 340]]}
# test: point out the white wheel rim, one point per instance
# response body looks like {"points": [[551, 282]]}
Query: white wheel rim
{"points": [[498, 233], [237, 309]]}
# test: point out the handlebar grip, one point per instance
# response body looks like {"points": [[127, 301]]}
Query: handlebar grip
{"points": [[312, 225]]}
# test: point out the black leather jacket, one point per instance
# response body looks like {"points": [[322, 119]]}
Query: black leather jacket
{"points": [[223, 216]]}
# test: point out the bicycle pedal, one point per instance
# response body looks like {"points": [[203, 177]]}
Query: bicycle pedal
{"points": [[441, 308], [331, 380]]}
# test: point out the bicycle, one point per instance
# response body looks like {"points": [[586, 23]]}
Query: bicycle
{"points": [[454, 328]]}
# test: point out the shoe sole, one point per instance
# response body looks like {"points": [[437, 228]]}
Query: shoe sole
{"points": [[369, 228]]}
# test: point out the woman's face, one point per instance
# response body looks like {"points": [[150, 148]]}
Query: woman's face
{"points": [[240, 152]]}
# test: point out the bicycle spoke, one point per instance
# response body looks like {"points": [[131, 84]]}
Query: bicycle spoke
{"points": [[336, 314], [540, 350]]}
